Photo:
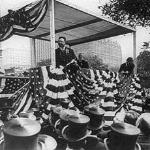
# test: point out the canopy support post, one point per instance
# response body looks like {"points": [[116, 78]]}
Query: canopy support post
{"points": [[33, 53], [52, 33], [134, 52]]}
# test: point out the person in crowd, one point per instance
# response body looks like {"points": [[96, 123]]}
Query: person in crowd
{"points": [[81, 62], [127, 67], [143, 123], [131, 117], [64, 54], [123, 136]]}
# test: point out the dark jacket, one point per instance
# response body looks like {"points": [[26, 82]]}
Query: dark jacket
{"points": [[127, 67], [64, 57], [83, 64]]}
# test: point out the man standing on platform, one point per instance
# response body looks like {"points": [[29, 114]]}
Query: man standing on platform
{"points": [[64, 54]]}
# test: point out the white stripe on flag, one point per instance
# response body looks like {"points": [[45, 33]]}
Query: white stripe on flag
{"points": [[45, 76], [98, 74], [92, 74], [49, 93], [62, 94], [71, 91], [28, 104], [5, 95]]}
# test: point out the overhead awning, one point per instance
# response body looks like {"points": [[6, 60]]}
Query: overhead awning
{"points": [[77, 24]]}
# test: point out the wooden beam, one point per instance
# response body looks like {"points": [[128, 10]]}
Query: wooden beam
{"points": [[134, 52], [71, 27], [52, 35], [106, 34], [33, 53]]}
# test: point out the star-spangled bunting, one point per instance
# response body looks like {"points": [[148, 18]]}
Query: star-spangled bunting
{"points": [[10, 85], [48, 86]]}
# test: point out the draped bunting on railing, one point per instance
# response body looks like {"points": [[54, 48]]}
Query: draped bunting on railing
{"points": [[25, 19], [48, 86]]}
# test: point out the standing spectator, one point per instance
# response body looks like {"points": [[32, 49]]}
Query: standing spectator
{"points": [[64, 55], [127, 67], [81, 62]]}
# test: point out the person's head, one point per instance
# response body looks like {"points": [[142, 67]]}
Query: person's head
{"points": [[131, 117], [143, 123], [62, 41], [129, 60], [80, 56]]}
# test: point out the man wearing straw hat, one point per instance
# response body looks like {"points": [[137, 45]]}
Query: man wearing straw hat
{"points": [[23, 134]]}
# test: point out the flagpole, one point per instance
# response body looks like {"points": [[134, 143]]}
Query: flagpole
{"points": [[52, 33], [134, 52], [33, 53]]}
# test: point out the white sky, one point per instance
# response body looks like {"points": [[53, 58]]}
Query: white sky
{"points": [[125, 41]]}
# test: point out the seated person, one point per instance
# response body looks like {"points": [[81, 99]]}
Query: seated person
{"points": [[81, 62], [143, 123], [127, 67]]}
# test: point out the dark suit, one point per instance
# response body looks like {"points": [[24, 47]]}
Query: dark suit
{"points": [[127, 67], [63, 57]]}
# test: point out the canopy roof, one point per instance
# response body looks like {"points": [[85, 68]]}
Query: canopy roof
{"points": [[78, 25]]}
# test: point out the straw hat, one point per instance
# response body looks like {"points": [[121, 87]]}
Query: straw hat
{"points": [[123, 136], [76, 130], [22, 134], [96, 115]]}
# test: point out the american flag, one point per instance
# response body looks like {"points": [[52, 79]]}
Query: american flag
{"points": [[20, 99], [9, 85], [30, 95], [48, 85]]}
